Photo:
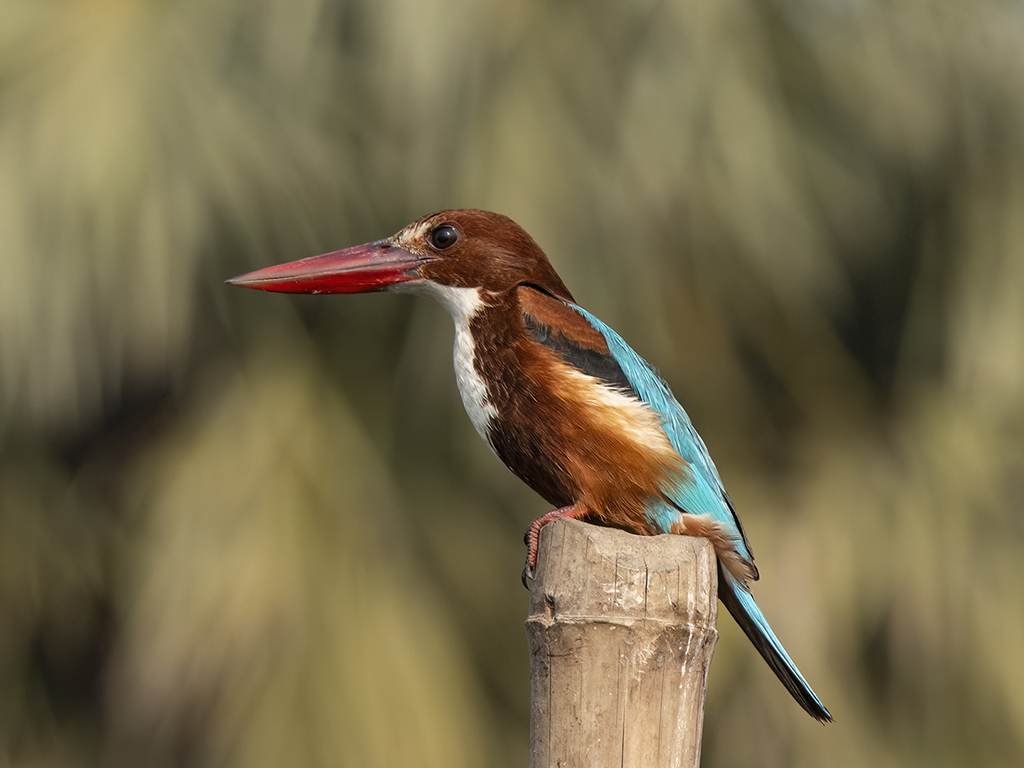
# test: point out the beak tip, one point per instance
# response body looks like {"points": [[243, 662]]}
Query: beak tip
{"points": [[242, 281]]}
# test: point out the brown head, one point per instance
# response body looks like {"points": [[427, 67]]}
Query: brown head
{"points": [[458, 248]]}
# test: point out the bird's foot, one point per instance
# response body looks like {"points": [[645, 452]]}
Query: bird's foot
{"points": [[532, 536]]}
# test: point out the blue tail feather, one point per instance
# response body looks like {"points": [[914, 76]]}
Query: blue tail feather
{"points": [[744, 610]]}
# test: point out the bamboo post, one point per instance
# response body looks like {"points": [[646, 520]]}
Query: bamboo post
{"points": [[621, 631]]}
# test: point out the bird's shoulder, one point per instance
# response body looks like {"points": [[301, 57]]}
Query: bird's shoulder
{"points": [[556, 325]]}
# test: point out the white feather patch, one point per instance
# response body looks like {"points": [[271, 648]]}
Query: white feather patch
{"points": [[462, 304]]}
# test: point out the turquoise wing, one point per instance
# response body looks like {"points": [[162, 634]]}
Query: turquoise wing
{"points": [[700, 492]]}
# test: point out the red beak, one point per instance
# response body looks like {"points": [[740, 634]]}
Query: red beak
{"points": [[370, 267]]}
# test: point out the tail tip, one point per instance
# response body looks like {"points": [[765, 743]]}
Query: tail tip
{"points": [[820, 713]]}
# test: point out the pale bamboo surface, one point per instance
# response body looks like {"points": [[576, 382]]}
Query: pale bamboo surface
{"points": [[621, 632]]}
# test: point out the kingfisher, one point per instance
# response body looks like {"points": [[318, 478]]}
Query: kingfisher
{"points": [[558, 395]]}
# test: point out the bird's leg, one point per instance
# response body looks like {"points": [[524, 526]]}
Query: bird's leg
{"points": [[532, 537]]}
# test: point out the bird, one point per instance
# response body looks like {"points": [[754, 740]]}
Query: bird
{"points": [[558, 395]]}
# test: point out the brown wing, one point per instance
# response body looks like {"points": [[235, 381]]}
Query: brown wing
{"points": [[557, 326]]}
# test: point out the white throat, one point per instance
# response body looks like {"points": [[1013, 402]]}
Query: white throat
{"points": [[462, 304]]}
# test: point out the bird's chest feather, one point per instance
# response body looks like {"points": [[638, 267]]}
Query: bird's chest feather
{"points": [[465, 304], [474, 391]]}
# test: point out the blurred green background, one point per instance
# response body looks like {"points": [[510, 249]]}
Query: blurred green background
{"points": [[243, 529]]}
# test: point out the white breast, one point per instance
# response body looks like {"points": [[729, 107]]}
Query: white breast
{"points": [[462, 304]]}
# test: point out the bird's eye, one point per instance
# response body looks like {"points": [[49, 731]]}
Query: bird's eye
{"points": [[444, 237]]}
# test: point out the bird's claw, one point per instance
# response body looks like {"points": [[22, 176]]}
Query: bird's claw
{"points": [[530, 567], [532, 541], [532, 537], [527, 575]]}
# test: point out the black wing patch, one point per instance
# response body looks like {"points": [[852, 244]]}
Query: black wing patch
{"points": [[600, 365]]}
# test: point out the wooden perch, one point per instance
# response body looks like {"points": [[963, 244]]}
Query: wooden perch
{"points": [[621, 632]]}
